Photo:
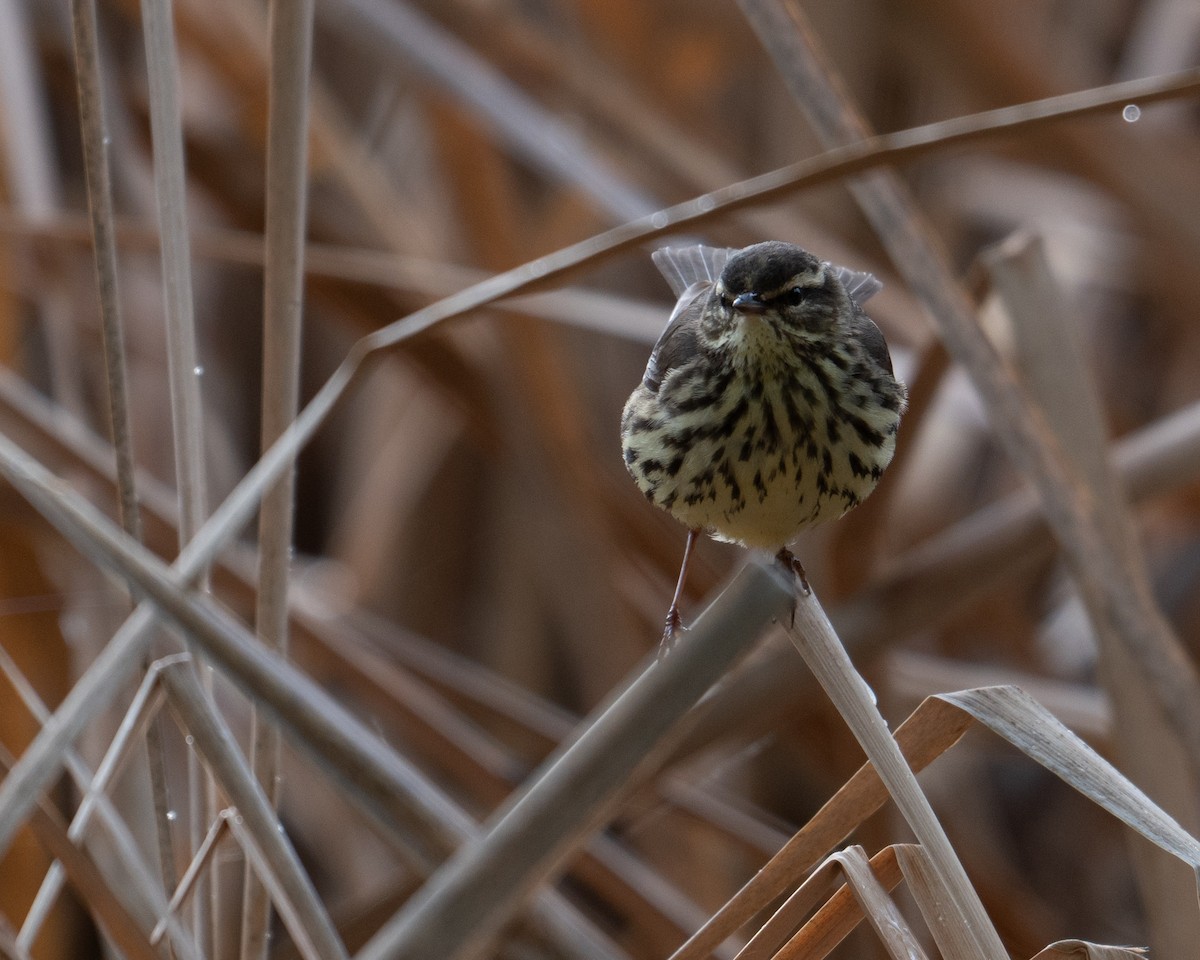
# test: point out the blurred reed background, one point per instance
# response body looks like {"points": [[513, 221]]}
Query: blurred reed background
{"points": [[473, 571]]}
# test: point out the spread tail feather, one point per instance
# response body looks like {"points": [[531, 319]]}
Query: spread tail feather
{"points": [[684, 266]]}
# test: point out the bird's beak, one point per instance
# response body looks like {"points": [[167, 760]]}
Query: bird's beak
{"points": [[749, 303]]}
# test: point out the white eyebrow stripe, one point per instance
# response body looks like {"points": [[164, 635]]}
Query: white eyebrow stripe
{"points": [[805, 279]]}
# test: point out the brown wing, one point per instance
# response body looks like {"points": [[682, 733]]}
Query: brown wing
{"points": [[861, 287], [679, 340], [871, 337]]}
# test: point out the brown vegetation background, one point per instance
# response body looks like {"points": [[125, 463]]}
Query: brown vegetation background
{"points": [[473, 570]]}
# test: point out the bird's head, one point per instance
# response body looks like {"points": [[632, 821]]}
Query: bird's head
{"points": [[782, 285]]}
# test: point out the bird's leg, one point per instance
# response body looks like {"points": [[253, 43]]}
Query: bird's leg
{"points": [[792, 565], [674, 622]]}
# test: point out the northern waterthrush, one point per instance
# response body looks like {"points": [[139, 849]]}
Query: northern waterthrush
{"points": [[769, 402]]}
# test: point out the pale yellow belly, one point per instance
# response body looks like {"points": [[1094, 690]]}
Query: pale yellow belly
{"points": [[753, 485]]}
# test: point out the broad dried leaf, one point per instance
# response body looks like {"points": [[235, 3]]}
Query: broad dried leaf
{"points": [[880, 909], [1082, 950], [927, 733], [1032, 729], [833, 921]]}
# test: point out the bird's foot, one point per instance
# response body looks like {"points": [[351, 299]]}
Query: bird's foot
{"points": [[674, 623], [791, 563], [788, 560], [671, 630]]}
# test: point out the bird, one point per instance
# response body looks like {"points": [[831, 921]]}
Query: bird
{"points": [[769, 403]]}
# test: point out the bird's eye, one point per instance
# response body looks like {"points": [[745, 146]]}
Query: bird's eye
{"points": [[796, 296]]}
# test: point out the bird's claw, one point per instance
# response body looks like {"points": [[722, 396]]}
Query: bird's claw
{"points": [[671, 629], [791, 563]]}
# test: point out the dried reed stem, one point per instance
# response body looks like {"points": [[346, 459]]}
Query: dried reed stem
{"points": [[1071, 509], [283, 282], [183, 367], [144, 884], [103, 233], [1052, 363], [426, 823], [860, 796], [310, 925], [461, 907], [524, 125], [90, 883], [170, 182], [814, 637]]}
